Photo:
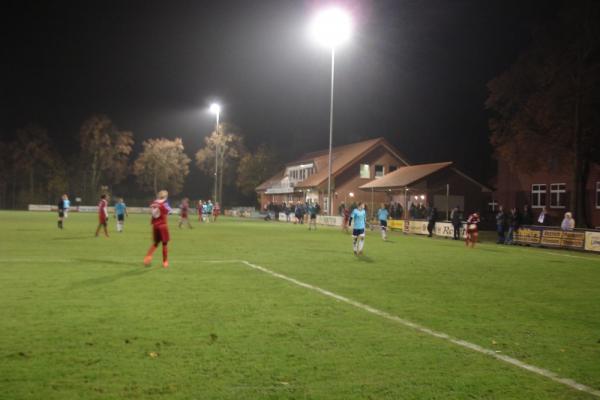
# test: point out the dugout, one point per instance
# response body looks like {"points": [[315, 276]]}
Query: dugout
{"points": [[439, 183]]}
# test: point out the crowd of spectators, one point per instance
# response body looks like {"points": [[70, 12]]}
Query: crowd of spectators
{"points": [[507, 223]]}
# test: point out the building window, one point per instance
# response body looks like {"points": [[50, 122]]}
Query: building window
{"points": [[393, 168], [538, 195], [379, 171], [365, 171], [597, 194], [558, 195]]}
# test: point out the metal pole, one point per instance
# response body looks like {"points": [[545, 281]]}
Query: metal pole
{"points": [[329, 205], [447, 201], [216, 157]]}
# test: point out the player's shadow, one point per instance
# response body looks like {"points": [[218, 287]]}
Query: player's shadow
{"points": [[71, 237], [107, 279], [365, 259]]}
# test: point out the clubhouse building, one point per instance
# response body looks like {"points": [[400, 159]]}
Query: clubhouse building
{"points": [[372, 171]]}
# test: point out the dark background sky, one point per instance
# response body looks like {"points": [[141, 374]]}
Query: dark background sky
{"points": [[414, 72]]}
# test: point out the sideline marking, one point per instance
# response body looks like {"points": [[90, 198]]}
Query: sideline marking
{"points": [[462, 343]]}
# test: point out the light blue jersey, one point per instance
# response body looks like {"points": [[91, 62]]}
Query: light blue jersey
{"points": [[209, 207], [66, 203], [359, 218], [120, 208], [383, 214]]}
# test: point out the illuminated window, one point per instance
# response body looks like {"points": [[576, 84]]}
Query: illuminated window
{"points": [[558, 195], [379, 171], [538, 195], [365, 172]]}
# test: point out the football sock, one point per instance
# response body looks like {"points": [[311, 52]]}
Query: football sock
{"points": [[361, 244], [354, 239], [165, 252]]}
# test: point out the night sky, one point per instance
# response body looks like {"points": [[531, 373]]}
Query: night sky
{"points": [[414, 72]]}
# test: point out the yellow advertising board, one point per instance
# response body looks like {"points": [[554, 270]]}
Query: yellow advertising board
{"points": [[528, 236], [592, 241], [396, 224]]}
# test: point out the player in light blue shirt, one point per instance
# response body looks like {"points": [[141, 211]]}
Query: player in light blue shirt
{"points": [[66, 205], [383, 215], [209, 210], [205, 216], [120, 212], [359, 217]]}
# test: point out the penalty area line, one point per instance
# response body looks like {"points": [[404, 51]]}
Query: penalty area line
{"points": [[420, 328]]}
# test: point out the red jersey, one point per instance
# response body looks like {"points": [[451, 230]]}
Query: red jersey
{"points": [[160, 209], [184, 210], [472, 222], [103, 209]]}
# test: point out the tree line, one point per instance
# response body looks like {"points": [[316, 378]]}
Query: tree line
{"points": [[545, 106], [33, 170]]}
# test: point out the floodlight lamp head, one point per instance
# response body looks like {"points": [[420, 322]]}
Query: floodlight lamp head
{"points": [[331, 27], [215, 108]]}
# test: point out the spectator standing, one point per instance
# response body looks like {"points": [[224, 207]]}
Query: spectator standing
{"points": [[514, 221], [544, 217], [568, 223], [431, 218], [500, 225], [455, 218]]}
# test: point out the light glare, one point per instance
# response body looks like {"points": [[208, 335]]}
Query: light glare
{"points": [[331, 27], [215, 108]]}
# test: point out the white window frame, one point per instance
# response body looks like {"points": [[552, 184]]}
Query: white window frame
{"points": [[598, 195], [537, 191], [360, 171], [382, 170], [555, 191]]}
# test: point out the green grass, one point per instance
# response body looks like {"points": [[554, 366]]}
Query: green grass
{"points": [[81, 315]]}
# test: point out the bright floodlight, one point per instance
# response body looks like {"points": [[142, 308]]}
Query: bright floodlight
{"points": [[215, 108], [331, 26]]}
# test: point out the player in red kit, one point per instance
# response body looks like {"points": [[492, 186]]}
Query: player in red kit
{"points": [[216, 211], [102, 215], [472, 229], [160, 230], [184, 210]]}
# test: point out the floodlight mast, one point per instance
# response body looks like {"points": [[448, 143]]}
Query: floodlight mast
{"points": [[216, 109], [331, 27]]}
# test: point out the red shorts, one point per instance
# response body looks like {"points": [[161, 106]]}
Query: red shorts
{"points": [[160, 233], [102, 219]]}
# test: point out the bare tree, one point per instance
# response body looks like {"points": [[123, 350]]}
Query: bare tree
{"points": [[106, 152], [162, 164], [228, 148], [255, 167]]}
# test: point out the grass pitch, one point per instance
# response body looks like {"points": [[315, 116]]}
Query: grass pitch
{"points": [[83, 319]]}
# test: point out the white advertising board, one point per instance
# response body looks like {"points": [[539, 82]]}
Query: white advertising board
{"points": [[330, 220]]}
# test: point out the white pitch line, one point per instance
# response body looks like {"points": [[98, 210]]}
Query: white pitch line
{"points": [[462, 343]]}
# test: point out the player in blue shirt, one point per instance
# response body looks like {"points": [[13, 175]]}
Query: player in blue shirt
{"points": [[383, 215], [209, 210], [120, 212], [359, 216], [67, 205]]}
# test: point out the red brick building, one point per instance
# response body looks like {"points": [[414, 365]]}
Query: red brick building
{"points": [[305, 179], [549, 188]]}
